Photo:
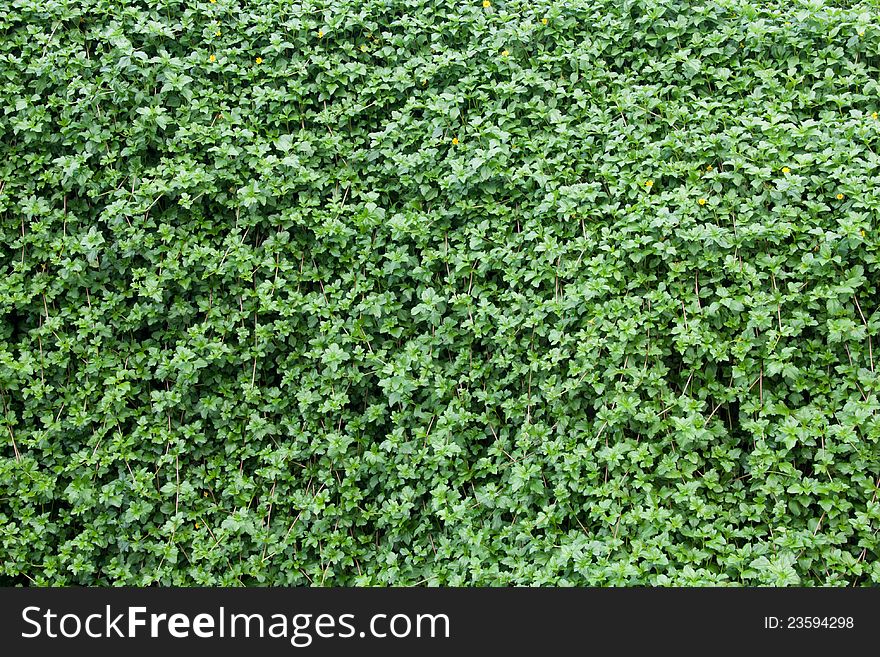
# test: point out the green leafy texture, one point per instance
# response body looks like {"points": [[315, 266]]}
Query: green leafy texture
{"points": [[438, 294]]}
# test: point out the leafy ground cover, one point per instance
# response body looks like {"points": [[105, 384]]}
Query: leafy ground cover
{"points": [[439, 293]]}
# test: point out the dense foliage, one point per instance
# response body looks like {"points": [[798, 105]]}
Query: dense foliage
{"points": [[447, 293]]}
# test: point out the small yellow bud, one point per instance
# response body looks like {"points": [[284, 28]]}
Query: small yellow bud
{"points": [[455, 141], [702, 201]]}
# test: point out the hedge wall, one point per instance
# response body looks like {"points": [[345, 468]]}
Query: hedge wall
{"points": [[423, 292]]}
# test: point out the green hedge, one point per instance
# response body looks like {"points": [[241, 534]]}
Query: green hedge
{"points": [[422, 292]]}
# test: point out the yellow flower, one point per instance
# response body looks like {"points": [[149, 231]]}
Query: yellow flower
{"points": [[320, 33], [861, 34], [455, 139], [259, 60], [786, 170], [487, 4], [197, 524], [218, 32], [709, 168], [649, 184], [874, 116], [505, 53], [543, 21], [840, 197], [702, 201], [212, 58], [862, 233], [364, 48], [424, 83], [213, 1], [205, 494]]}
